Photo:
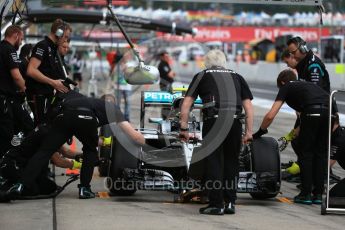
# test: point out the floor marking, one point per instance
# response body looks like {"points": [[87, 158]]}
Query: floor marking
{"points": [[284, 200], [70, 172], [103, 195]]}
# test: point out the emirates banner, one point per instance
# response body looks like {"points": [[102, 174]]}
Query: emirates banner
{"points": [[246, 34]]}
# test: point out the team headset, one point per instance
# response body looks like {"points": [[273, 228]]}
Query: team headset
{"points": [[301, 44], [60, 30]]}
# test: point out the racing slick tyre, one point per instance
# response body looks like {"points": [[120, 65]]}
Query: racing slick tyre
{"points": [[103, 167], [266, 165], [120, 160]]}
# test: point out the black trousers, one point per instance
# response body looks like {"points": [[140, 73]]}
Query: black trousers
{"points": [[6, 125], [81, 124], [296, 146], [222, 166], [13, 119], [312, 157], [39, 105]]}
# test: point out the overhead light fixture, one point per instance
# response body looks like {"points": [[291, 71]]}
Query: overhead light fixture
{"points": [[104, 20]]}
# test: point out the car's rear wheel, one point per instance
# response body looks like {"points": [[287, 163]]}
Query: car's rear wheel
{"points": [[103, 167]]}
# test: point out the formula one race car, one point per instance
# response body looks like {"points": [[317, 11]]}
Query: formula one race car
{"points": [[166, 163]]}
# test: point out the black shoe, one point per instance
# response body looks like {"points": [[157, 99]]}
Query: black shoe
{"points": [[211, 211], [317, 199], [86, 193], [15, 191], [229, 208], [303, 199]]}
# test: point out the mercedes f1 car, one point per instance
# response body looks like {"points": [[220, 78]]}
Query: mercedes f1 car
{"points": [[166, 163]]}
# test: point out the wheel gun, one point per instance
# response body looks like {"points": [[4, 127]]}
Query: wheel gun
{"points": [[67, 82]]}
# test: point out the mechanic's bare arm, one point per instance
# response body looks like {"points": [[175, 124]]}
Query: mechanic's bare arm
{"points": [[61, 162], [37, 75], [248, 108], [129, 130], [269, 117], [18, 79]]}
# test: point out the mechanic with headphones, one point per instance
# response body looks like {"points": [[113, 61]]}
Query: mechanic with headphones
{"points": [[312, 103], [309, 66], [44, 71]]}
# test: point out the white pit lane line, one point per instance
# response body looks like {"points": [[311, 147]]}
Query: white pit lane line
{"points": [[267, 104]]}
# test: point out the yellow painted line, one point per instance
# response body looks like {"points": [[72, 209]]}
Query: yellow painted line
{"points": [[103, 195], [284, 200]]}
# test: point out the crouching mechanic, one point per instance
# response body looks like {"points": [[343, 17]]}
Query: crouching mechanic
{"points": [[223, 93], [312, 103], [79, 117], [20, 154], [15, 160]]}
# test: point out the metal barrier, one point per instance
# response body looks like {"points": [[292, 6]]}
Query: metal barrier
{"points": [[326, 206]]}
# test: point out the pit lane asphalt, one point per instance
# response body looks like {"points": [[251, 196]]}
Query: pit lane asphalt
{"points": [[156, 210]]}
